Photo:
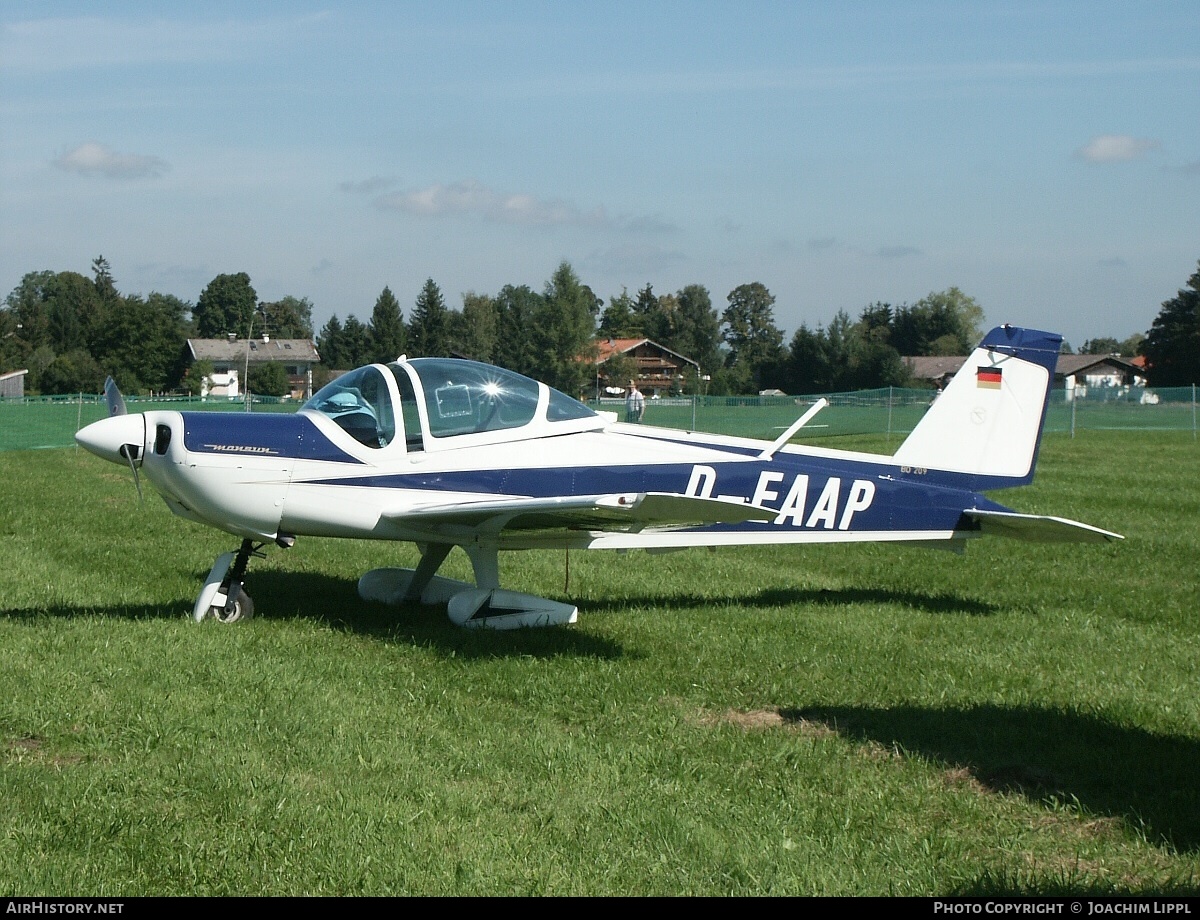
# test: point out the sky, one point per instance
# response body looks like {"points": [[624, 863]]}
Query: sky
{"points": [[1043, 157]]}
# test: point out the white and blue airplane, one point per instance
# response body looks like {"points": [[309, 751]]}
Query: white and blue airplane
{"points": [[445, 452]]}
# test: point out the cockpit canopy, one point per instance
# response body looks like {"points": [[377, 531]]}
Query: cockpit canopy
{"points": [[441, 402]]}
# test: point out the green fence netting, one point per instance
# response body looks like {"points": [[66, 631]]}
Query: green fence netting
{"points": [[32, 423], [51, 421]]}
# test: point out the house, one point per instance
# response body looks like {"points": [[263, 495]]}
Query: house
{"points": [[12, 385], [1078, 372], [1073, 373], [934, 369], [659, 370], [233, 357]]}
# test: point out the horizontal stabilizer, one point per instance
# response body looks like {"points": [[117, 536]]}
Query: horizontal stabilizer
{"points": [[1038, 528]]}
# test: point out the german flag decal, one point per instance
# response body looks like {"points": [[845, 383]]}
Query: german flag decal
{"points": [[988, 377]]}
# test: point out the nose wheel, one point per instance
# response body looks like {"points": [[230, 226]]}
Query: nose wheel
{"points": [[243, 608]]}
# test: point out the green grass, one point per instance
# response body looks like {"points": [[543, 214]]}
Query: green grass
{"points": [[846, 720]]}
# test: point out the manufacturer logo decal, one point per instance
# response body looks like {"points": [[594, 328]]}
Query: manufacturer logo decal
{"points": [[241, 449]]}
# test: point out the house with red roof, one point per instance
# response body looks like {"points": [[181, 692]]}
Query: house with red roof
{"points": [[659, 370]]}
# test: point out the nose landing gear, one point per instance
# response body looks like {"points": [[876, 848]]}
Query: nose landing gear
{"points": [[222, 598]]}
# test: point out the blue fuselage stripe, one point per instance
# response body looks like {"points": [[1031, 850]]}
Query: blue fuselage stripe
{"points": [[260, 434], [814, 496]]}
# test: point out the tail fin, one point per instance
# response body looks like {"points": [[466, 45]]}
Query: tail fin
{"points": [[987, 423]]}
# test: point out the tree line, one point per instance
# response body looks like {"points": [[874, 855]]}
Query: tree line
{"points": [[70, 332]]}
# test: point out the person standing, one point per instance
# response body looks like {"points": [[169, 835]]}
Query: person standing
{"points": [[635, 403]]}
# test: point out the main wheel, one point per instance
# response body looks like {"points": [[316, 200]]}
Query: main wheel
{"points": [[243, 609]]}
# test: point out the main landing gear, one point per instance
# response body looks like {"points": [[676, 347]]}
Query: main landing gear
{"points": [[484, 605], [223, 598]]}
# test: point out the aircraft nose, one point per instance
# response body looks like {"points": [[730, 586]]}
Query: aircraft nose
{"points": [[118, 438]]}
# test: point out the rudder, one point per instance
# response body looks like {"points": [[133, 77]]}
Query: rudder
{"points": [[987, 423]]}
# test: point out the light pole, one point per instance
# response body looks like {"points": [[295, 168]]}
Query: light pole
{"points": [[695, 395], [249, 335]]}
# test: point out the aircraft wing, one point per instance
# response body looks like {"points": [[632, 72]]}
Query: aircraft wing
{"points": [[1038, 528], [628, 511]]}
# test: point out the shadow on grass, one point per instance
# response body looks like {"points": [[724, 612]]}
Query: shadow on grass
{"points": [[1050, 756], [334, 602], [801, 597]]}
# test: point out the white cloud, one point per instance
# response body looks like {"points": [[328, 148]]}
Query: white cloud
{"points": [[92, 159], [1115, 148], [471, 197]]}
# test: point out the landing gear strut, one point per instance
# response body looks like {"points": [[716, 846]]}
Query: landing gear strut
{"points": [[238, 605], [222, 598], [484, 604]]}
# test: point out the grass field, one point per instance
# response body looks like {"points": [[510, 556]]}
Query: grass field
{"points": [[846, 720]]}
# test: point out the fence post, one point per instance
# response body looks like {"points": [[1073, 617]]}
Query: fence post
{"points": [[889, 423], [1074, 399], [1193, 411], [693, 412]]}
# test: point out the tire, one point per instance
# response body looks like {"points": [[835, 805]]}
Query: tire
{"points": [[243, 609]]}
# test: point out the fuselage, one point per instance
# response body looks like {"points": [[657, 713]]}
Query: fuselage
{"points": [[377, 451], [264, 475]]}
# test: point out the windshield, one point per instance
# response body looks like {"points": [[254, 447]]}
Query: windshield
{"points": [[461, 398], [360, 403]]}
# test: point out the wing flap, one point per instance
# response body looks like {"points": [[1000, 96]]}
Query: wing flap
{"points": [[1038, 528], [627, 511]]}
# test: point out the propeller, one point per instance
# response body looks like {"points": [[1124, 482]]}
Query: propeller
{"points": [[112, 395], [131, 452]]}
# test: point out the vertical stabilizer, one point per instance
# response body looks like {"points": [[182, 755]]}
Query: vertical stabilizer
{"points": [[987, 423]]}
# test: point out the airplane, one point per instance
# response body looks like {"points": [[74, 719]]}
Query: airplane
{"points": [[446, 452]]}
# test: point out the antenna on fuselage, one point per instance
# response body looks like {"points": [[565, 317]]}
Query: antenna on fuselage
{"points": [[795, 426]]}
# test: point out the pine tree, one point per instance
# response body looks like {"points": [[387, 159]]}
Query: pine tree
{"points": [[1172, 346], [429, 324], [564, 332], [330, 345], [386, 329]]}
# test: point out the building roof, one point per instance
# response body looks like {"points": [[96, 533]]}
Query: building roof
{"points": [[934, 367], [285, 351], [1077, 364], [606, 348], [12, 384]]}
